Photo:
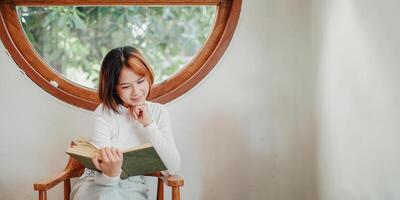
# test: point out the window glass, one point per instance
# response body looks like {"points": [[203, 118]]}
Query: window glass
{"points": [[74, 39]]}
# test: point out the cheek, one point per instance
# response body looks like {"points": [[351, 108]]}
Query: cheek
{"points": [[122, 94], [146, 88]]}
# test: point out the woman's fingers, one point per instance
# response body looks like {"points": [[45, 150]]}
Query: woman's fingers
{"points": [[110, 154], [104, 156], [114, 152], [109, 161], [138, 110], [143, 114], [133, 113], [95, 161], [119, 154], [115, 155]]}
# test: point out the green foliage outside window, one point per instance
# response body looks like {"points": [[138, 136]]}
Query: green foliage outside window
{"points": [[74, 39]]}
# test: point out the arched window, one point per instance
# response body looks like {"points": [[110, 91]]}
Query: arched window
{"points": [[14, 32]]}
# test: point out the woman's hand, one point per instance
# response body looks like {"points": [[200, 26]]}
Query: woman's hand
{"points": [[140, 113], [109, 161]]}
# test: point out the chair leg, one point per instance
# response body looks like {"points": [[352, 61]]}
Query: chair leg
{"points": [[160, 189], [175, 193], [42, 195], [67, 189]]}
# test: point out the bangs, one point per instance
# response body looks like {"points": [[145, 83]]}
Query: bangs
{"points": [[137, 64]]}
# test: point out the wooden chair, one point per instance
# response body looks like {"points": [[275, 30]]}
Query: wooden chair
{"points": [[75, 169]]}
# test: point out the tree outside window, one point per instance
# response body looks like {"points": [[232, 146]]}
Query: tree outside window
{"points": [[74, 39]]}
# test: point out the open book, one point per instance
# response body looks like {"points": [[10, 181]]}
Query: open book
{"points": [[138, 160]]}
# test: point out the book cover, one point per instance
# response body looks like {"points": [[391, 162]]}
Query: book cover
{"points": [[136, 161]]}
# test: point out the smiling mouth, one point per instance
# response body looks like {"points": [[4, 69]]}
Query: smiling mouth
{"points": [[137, 98]]}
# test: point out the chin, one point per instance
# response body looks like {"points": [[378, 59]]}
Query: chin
{"points": [[138, 102]]}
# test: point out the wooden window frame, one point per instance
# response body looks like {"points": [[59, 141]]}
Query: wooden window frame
{"points": [[25, 56]]}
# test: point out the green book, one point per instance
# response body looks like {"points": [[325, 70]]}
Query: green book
{"points": [[138, 160]]}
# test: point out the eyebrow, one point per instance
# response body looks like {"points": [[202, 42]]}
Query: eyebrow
{"points": [[129, 83]]}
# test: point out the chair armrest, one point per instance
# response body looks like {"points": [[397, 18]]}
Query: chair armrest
{"points": [[171, 181], [47, 184]]}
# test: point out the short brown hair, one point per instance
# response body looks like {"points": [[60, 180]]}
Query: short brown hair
{"points": [[111, 66]]}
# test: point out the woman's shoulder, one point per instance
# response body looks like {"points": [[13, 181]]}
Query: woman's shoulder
{"points": [[99, 108], [155, 106], [157, 111], [102, 110]]}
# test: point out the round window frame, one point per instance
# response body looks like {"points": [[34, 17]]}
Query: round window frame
{"points": [[25, 56]]}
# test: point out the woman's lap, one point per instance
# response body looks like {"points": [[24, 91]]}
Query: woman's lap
{"points": [[132, 188]]}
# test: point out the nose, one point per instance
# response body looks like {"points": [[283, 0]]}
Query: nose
{"points": [[135, 90]]}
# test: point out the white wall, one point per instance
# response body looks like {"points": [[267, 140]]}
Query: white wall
{"points": [[357, 55], [247, 131]]}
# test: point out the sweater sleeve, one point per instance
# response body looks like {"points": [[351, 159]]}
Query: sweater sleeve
{"points": [[103, 128], [160, 135]]}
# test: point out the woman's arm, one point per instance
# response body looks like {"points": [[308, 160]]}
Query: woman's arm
{"points": [[160, 135], [103, 128]]}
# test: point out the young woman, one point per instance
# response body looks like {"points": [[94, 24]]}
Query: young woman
{"points": [[125, 119]]}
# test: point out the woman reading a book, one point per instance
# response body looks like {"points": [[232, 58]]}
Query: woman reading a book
{"points": [[125, 119]]}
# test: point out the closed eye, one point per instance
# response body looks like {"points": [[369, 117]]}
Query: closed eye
{"points": [[124, 87]]}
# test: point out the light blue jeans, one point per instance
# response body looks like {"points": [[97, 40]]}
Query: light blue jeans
{"points": [[132, 188]]}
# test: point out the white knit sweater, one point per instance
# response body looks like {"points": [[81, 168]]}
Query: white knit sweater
{"points": [[119, 130]]}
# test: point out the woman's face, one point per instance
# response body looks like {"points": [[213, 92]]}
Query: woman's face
{"points": [[132, 89]]}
